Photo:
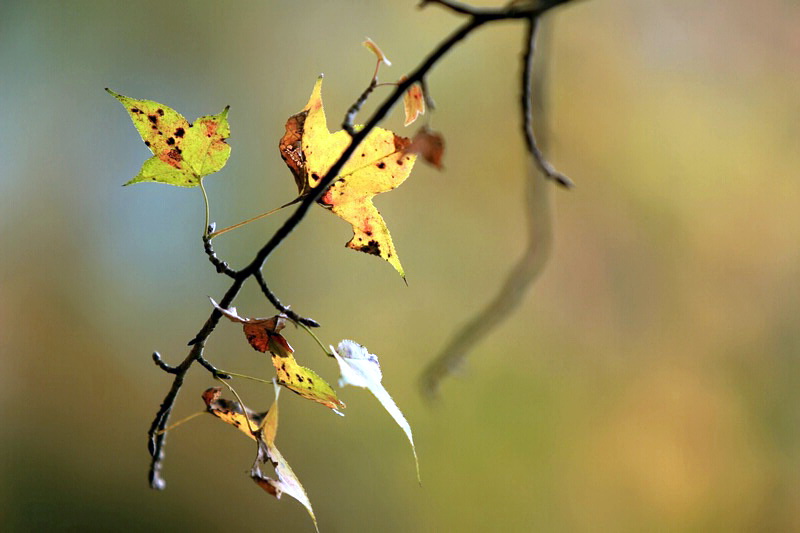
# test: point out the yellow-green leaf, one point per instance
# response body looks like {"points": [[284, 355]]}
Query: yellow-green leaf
{"points": [[305, 381], [183, 153], [379, 165]]}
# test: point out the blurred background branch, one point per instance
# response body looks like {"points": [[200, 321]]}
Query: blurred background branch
{"points": [[538, 230]]}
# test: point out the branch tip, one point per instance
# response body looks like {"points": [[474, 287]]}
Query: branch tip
{"points": [[221, 266], [162, 365]]}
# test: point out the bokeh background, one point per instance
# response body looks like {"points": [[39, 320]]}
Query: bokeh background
{"points": [[649, 381]]}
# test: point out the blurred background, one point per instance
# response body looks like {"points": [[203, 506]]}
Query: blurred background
{"points": [[649, 380]]}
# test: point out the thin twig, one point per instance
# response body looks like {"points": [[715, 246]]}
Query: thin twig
{"points": [[532, 262], [350, 116], [221, 266], [259, 277], [456, 7], [211, 368], [162, 365]]}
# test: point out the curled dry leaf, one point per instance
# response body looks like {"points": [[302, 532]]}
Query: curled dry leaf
{"points": [[263, 334], [360, 368], [369, 43], [430, 145], [231, 413], [380, 164], [286, 481], [183, 153], [261, 427], [413, 102]]}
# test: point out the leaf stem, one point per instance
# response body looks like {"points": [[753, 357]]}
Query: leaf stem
{"points": [[245, 376], [243, 407], [249, 220], [179, 422], [205, 201], [311, 332]]}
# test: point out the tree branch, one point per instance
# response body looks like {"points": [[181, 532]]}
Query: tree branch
{"points": [[221, 266], [259, 277], [156, 434]]}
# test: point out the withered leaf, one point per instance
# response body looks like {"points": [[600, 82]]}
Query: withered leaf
{"points": [[268, 453], [261, 427], [413, 102], [231, 412], [430, 145], [369, 43]]}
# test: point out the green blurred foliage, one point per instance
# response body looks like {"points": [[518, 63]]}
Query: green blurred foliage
{"points": [[648, 382]]}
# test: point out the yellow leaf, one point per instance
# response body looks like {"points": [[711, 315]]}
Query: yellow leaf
{"points": [[379, 165], [413, 102]]}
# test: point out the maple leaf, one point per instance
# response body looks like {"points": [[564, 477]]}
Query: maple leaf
{"points": [[183, 153], [360, 368], [379, 165], [263, 334], [261, 427]]}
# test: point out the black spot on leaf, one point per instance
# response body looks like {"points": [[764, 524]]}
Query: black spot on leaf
{"points": [[372, 247]]}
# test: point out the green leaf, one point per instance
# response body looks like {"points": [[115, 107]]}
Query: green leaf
{"points": [[183, 153]]}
